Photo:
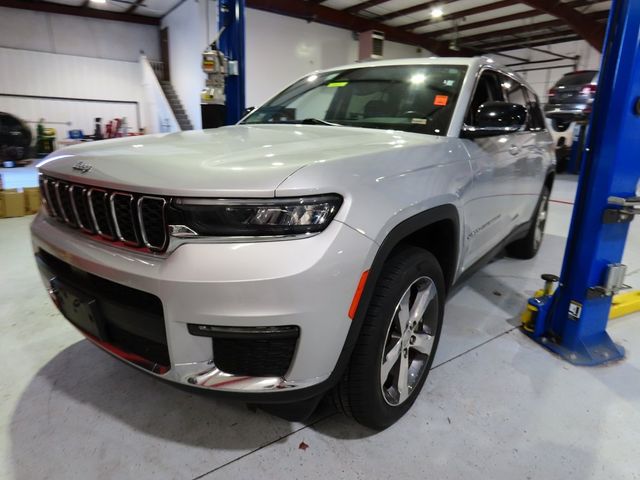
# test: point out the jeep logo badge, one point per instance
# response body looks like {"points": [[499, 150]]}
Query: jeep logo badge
{"points": [[82, 167]]}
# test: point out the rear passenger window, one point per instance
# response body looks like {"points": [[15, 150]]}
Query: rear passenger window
{"points": [[536, 117], [514, 91]]}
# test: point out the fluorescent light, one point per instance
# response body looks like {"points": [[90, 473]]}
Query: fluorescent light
{"points": [[437, 12], [99, 1]]}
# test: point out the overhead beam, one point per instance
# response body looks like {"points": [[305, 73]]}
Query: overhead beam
{"points": [[492, 21], [133, 6], [589, 29], [528, 28], [363, 6], [78, 11], [338, 18], [498, 20], [511, 31], [461, 13], [409, 10], [543, 43], [519, 41]]}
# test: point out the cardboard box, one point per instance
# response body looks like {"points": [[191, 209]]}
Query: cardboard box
{"points": [[32, 200], [12, 203]]}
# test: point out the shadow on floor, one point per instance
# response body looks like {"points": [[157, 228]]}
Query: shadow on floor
{"points": [[83, 402]]}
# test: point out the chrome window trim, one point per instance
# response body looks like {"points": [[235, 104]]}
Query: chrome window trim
{"points": [[143, 231], [93, 213], [116, 224]]}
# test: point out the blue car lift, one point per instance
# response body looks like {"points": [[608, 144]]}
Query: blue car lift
{"points": [[572, 320], [231, 18], [223, 99]]}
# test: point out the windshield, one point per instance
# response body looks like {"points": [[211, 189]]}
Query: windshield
{"points": [[577, 78], [413, 98]]}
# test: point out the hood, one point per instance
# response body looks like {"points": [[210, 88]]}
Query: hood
{"points": [[240, 160]]}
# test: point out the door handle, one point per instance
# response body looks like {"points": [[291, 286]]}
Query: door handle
{"points": [[514, 150]]}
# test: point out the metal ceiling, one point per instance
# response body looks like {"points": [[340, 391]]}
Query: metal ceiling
{"points": [[445, 27]]}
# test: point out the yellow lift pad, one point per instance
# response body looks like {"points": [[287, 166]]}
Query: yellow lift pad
{"points": [[625, 303]]}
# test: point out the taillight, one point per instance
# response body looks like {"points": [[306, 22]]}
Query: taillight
{"points": [[552, 92], [589, 89]]}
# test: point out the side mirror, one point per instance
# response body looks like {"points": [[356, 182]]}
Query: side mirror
{"points": [[247, 111], [496, 118]]}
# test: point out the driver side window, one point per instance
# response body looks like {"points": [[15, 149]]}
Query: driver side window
{"points": [[487, 89]]}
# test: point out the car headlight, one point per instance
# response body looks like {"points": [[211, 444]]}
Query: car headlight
{"points": [[195, 217]]}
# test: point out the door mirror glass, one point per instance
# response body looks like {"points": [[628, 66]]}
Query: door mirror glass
{"points": [[496, 118]]}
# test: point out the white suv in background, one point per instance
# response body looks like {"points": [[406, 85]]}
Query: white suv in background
{"points": [[309, 248]]}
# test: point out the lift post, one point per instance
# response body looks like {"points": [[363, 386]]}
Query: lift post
{"points": [[572, 321], [232, 44]]}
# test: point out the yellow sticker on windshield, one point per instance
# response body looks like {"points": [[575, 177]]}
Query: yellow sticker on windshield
{"points": [[337, 84]]}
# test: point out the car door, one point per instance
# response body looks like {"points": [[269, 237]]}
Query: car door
{"points": [[539, 152], [489, 209], [524, 148]]}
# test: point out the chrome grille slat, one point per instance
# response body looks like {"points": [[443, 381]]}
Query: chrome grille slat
{"points": [[50, 195], [64, 203], [124, 218], [44, 196], [80, 206], [154, 236], [135, 220], [99, 208]]}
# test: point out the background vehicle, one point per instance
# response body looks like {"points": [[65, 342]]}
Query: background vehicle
{"points": [[309, 248], [570, 100], [15, 138]]}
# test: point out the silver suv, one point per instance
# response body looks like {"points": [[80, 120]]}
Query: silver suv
{"points": [[311, 247]]}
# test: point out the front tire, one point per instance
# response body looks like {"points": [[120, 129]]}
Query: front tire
{"points": [[398, 340]]}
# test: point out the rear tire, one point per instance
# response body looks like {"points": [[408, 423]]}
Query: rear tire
{"points": [[527, 247], [398, 340]]}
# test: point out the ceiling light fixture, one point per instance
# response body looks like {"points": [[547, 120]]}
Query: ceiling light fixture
{"points": [[98, 1], [437, 12]]}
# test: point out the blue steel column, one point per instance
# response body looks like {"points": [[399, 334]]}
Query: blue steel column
{"points": [[231, 43], [610, 167]]}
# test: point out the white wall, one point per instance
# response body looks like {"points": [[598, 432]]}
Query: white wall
{"points": [[543, 80], [73, 35], [54, 55], [157, 112], [279, 49], [188, 38], [25, 72]]}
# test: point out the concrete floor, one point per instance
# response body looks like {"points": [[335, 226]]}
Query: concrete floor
{"points": [[495, 406]]}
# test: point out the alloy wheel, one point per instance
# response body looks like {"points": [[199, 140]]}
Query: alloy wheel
{"points": [[410, 341]]}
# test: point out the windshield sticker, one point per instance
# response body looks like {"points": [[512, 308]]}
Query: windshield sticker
{"points": [[441, 100], [449, 83], [419, 121], [337, 84]]}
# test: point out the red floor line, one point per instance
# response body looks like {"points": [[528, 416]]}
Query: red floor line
{"points": [[561, 201]]}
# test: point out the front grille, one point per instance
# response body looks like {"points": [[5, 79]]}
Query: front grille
{"points": [[134, 219], [133, 319]]}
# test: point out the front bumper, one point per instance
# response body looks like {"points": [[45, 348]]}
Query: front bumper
{"points": [[308, 283]]}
